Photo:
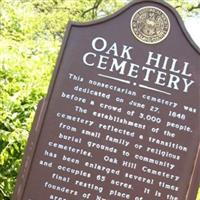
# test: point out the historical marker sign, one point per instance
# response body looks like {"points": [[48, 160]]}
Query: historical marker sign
{"points": [[121, 119]]}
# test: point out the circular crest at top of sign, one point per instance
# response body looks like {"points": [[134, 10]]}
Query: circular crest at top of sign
{"points": [[150, 25]]}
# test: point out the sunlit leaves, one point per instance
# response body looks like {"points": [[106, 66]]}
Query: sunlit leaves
{"points": [[31, 32], [30, 36]]}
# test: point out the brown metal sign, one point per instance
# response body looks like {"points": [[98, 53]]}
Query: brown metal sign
{"points": [[121, 118]]}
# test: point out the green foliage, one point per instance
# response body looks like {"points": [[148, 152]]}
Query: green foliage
{"points": [[30, 36], [198, 195], [186, 7]]}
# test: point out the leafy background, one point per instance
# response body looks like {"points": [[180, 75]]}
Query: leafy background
{"points": [[31, 33]]}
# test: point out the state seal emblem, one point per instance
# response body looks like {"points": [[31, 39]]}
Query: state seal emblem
{"points": [[150, 25]]}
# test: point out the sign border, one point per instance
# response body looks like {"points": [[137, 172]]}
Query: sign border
{"points": [[37, 126]]}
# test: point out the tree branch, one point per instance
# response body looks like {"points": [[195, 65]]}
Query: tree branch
{"points": [[194, 7], [177, 7], [93, 8]]}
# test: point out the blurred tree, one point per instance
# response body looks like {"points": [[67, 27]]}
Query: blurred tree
{"points": [[186, 5], [30, 36]]}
